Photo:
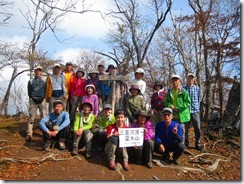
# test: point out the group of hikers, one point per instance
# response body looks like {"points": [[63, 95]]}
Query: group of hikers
{"points": [[80, 108]]}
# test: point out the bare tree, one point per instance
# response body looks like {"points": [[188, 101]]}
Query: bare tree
{"points": [[134, 31], [4, 5]]}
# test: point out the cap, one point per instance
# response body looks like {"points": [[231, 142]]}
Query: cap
{"points": [[190, 74], [69, 64], [143, 113], [139, 70], [90, 85], [175, 76], [100, 65], [57, 102], [167, 109], [107, 106], [57, 65], [135, 87], [110, 66], [38, 68], [157, 83]]}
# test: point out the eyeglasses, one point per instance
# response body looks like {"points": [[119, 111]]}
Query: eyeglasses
{"points": [[166, 115]]}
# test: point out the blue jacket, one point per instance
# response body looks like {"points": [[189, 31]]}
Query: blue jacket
{"points": [[165, 136], [62, 121]]}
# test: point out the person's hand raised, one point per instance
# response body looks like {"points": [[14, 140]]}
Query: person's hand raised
{"points": [[175, 129]]}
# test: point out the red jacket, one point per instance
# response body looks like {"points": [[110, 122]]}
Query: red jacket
{"points": [[113, 128], [78, 86]]}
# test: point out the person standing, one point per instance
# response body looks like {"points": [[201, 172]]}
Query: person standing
{"points": [[56, 87], [36, 88], [68, 73], [78, 83], [157, 101], [169, 136], [195, 95], [55, 126], [139, 74], [178, 99]]}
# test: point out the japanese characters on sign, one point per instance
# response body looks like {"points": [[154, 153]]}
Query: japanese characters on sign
{"points": [[129, 137]]}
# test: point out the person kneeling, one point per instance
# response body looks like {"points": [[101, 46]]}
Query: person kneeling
{"points": [[169, 136]]}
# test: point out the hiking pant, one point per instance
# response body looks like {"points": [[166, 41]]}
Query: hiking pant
{"points": [[32, 114], [195, 119], [74, 100], [143, 154], [177, 148], [112, 149], [87, 135]]}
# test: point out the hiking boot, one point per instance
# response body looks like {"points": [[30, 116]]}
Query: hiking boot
{"points": [[112, 165], [47, 145], [176, 162], [75, 151], [62, 145], [126, 166], [88, 155], [199, 148], [28, 138], [149, 165]]}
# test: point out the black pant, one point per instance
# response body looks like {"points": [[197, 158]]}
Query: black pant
{"points": [[177, 148], [61, 136]]}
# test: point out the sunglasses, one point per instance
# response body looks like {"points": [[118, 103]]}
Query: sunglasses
{"points": [[166, 115]]}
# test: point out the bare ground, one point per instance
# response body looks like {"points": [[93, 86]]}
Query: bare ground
{"points": [[21, 160]]}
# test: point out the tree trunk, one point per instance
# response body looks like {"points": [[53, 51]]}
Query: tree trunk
{"points": [[232, 107], [7, 95]]}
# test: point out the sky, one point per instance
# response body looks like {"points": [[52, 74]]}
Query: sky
{"points": [[82, 31]]}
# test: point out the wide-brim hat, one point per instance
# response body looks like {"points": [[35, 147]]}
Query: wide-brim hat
{"points": [[135, 87], [110, 66], [88, 102], [157, 83], [81, 70], [142, 113]]}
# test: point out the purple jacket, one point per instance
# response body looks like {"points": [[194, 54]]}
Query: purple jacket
{"points": [[94, 101], [148, 125]]}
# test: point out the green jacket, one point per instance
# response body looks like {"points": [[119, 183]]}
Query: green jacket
{"points": [[84, 124], [183, 101], [132, 105], [104, 121]]}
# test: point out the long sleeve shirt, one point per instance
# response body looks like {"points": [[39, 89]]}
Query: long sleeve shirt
{"points": [[148, 125], [157, 100], [195, 95], [165, 136], [62, 120], [78, 86], [81, 122], [94, 101], [105, 121]]}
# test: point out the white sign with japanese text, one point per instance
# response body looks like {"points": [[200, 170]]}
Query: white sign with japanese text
{"points": [[129, 137]]}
